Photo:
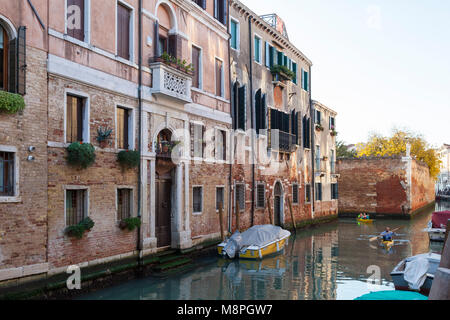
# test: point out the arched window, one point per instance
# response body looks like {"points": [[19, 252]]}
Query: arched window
{"points": [[165, 38]]}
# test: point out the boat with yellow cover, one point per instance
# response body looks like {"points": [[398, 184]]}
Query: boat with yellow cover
{"points": [[255, 243], [388, 244], [365, 220]]}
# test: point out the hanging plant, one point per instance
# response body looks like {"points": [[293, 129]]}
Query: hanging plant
{"points": [[319, 127], [11, 102], [78, 230], [128, 158], [333, 133], [283, 71], [130, 223], [81, 154], [103, 134]]}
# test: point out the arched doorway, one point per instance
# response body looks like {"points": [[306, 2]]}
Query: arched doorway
{"points": [[278, 204], [163, 189]]}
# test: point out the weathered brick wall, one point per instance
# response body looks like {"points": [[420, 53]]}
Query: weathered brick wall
{"points": [[422, 186], [380, 185], [101, 179], [23, 223]]}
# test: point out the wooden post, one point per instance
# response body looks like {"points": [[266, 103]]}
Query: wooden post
{"points": [[270, 210], [292, 214], [221, 221], [237, 216]]}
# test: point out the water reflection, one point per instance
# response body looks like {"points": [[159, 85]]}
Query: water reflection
{"points": [[326, 263]]}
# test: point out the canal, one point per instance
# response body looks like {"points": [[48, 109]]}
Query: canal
{"points": [[329, 262]]}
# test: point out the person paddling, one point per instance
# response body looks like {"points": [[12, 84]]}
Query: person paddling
{"points": [[387, 234]]}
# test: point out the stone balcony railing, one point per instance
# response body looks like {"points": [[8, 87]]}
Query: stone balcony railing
{"points": [[171, 82]]}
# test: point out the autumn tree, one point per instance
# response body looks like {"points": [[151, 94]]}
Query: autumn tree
{"points": [[395, 145]]}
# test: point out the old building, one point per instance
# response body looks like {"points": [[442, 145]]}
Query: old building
{"points": [[124, 76], [443, 183], [384, 187], [325, 184], [271, 108]]}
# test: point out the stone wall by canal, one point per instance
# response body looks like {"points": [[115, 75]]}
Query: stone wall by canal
{"points": [[389, 186]]}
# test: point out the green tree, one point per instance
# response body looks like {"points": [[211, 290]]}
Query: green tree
{"points": [[342, 150]]}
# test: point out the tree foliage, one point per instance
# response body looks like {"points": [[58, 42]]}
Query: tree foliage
{"points": [[342, 150], [395, 145]]}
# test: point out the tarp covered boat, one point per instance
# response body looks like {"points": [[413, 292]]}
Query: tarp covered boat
{"points": [[255, 243]]}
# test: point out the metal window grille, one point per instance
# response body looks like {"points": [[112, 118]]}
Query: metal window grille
{"points": [[75, 206], [123, 203], [7, 177], [197, 193]]}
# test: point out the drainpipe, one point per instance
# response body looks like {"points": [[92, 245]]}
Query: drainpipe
{"points": [[139, 244], [252, 114], [313, 147], [230, 177]]}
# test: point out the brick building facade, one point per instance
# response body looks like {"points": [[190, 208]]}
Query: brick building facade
{"points": [[384, 187]]}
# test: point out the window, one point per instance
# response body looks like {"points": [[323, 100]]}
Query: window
{"points": [[124, 204], [219, 78], [123, 32], [13, 61], [220, 10], [305, 80], [239, 102], [317, 117], [235, 34], [294, 69], [76, 206], [124, 124], [197, 197], [260, 110], [332, 123], [306, 132], [75, 119], [197, 64], [197, 140], [221, 145], [7, 176], [201, 3], [3, 59], [319, 191], [334, 191], [220, 197], [75, 19], [240, 196], [257, 53], [260, 195], [317, 157], [332, 161], [295, 193], [308, 193]]}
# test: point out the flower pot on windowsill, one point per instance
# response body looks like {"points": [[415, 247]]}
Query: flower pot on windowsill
{"points": [[81, 155], [319, 127], [130, 224], [333, 133]]}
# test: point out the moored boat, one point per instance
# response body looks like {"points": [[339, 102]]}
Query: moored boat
{"points": [[255, 243], [365, 220], [416, 273], [437, 225]]}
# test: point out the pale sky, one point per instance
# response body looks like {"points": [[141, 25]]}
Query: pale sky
{"points": [[379, 63]]}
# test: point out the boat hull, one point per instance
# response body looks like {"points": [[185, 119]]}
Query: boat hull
{"points": [[254, 252], [387, 244], [365, 220], [401, 284], [436, 234]]}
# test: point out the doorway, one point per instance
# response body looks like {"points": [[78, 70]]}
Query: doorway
{"points": [[278, 204], [163, 185]]}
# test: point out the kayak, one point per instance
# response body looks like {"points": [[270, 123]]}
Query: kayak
{"points": [[388, 244], [365, 220]]}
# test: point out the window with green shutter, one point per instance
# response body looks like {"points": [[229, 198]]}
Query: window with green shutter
{"points": [[257, 49], [234, 28], [294, 69]]}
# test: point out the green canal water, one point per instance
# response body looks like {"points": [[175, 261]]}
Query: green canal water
{"points": [[329, 262]]}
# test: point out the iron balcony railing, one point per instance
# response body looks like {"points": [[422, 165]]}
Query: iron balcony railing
{"points": [[282, 141]]}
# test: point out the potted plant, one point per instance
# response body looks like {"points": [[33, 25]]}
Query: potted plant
{"points": [[283, 72], [130, 223], [333, 132], [11, 102], [319, 127], [81, 154], [78, 230], [129, 158], [103, 134]]}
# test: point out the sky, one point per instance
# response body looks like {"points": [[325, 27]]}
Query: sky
{"points": [[381, 64]]}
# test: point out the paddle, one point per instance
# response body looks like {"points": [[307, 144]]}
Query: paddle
{"points": [[375, 238]]}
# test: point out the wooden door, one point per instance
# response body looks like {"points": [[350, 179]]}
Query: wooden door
{"points": [[163, 211], [277, 210]]}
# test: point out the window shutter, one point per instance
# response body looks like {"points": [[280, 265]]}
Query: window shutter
{"points": [[204, 4], [242, 107], [225, 11], [21, 60], [263, 112], [12, 64], [191, 127], [203, 142], [273, 56], [267, 53], [258, 110], [294, 69], [234, 105], [156, 40], [175, 46]]}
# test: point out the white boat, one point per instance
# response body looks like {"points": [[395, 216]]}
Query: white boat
{"points": [[416, 273], [437, 226]]}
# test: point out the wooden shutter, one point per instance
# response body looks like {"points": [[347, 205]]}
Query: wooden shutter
{"points": [[219, 71], [294, 69], [203, 141], [224, 11], [192, 128], [263, 112], [123, 32], [156, 40], [12, 66], [21, 60], [77, 33], [260, 196], [267, 54], [258, 110], [196, 65], [234, 105], [242, 96]]}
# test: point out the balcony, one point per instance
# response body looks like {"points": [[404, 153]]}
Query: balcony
{"points": [[286, 141], [170, 82]]}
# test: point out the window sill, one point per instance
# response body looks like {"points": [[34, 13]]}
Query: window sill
{"points": [[17, 199], [197, 213]]}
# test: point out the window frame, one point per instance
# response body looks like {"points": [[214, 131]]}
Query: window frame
{"points": [[236, 195], [222, 78], [224, 132], [318, 194], [86, 114], [200, 63], [260, 40], [308, 193], [196, 213], [131, 126], [16, 196], [86, 204], [131, 35], [238, 34], [5, 61], [131, 189], [298, 189], [223, 195], [258, 185], [87, 23]]}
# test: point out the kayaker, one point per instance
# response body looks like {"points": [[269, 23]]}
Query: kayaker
{"points": [[387, 234]]}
